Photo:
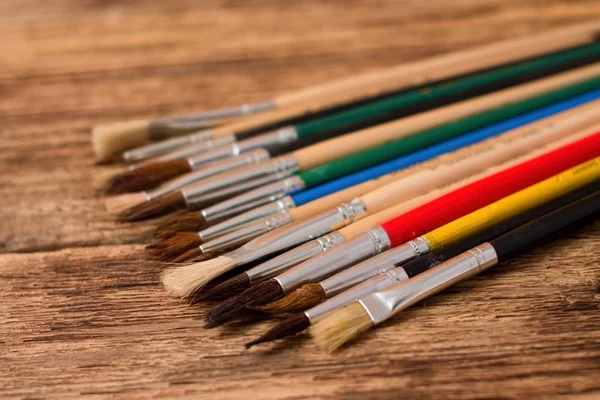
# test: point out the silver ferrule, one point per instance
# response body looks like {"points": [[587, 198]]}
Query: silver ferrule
{"points": [[269, 139], [384, 304], [375, 284], [297, 232], [294, 257], [325, 264], [156, 149], [246, 233], [273, 169], [238, 221], [254, 198], [212, 169], [374, 266], [244, 109]]}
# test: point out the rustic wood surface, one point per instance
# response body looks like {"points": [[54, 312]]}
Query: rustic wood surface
{"points": [[81, 313]]}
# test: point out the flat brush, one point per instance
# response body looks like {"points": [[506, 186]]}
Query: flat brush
{"points": [[342, 325], [430, 216], [392, 189], [149, 175], [194, 220], [382, 271], [355, 152], [109, 140]]}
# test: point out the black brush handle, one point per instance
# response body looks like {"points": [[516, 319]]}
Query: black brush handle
{"points": [[546, 227], [422, 264]]}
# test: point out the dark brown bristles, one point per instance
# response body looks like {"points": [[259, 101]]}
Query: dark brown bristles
{"points": [[154, 208], [305, 297], [146, 176], [292, 325], [191, 255], [234, 307], [174, 246], [225, 290], [191, 221]]}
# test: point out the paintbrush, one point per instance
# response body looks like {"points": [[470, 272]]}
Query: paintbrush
{"points": [[349, 150], [458, 166], [383, 271], [147, 176], [423, 219], [340, 326], [112, 139]]}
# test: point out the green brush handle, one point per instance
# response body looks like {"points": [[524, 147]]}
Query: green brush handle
{"points": [[413, 98], [430, 137]]}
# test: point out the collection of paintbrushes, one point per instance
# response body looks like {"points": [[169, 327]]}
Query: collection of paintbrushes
{"points": [[340, 205]]}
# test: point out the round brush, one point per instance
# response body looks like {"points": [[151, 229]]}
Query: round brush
{"points": [[338, 327], [344, 288], [426, 218], [111, 139], [363, 149]]}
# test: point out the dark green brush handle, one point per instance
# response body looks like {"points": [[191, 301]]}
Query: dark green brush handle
{"points": [[375, 109], [430, 137]]}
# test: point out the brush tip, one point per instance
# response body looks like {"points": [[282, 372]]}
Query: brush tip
{"points": [[154, 208], [340, 326], [290, 326], [172, 247], [111, 139], [146, 176], [120, 203], [185, 281], [187, 221], [305, 297], [227, 289]]}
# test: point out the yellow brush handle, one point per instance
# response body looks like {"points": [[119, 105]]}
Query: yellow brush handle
{"points": [[517, 203], [484, 155], [343, 146], [404, 76]]}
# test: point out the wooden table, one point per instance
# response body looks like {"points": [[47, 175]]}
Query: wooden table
{"points": [[82, 313]]}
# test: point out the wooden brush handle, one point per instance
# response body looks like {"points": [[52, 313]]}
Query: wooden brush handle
{"points": [[321, 153], [404, 76], [486, 154]]}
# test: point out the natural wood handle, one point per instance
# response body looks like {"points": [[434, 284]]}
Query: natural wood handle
{"points": [[336, 148], [473, 159], [380, 217], [447, 65]]}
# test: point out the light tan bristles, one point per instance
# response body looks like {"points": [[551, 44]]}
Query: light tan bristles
{"points": [[186, 280], [340, 326], [174, 246], [301, 299], [103, 175], [188, 221], [111, 139], [146, 176], [154, 208], [122, 202]]}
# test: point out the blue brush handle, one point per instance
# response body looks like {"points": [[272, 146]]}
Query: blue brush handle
{"points": [[315, 193]]}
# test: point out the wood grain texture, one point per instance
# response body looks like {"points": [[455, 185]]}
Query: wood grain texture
{"points": [[81, 313]]}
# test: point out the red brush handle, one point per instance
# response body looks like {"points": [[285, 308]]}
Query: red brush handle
{"points": [[478, 194]]}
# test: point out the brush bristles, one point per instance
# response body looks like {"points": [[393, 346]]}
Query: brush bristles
{"points": [[300, 299], [236, 306], [189, 221], [146, 176], [174, 246], [154, 208], [185, 281], [122, 202], [190, 255], [111, 139], [340, 326], [225, 290], [290, 326]]}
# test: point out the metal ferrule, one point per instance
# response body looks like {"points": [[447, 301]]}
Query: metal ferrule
{"points": [[375, 284], [273, 169], [325, 264], [244, 109], [216, 168], [297, 232], [254, 198], [384, 304], [246, 233], [158, 148], [294, 257], [233, 223], [374, 266]]}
